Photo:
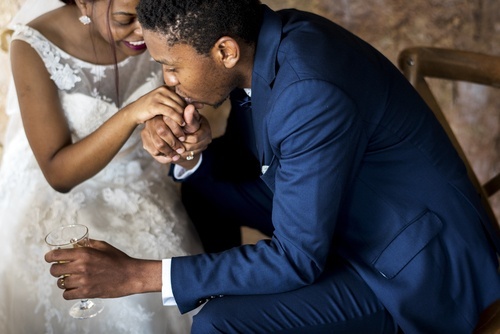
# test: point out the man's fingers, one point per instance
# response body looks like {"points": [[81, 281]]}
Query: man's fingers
{"points": [[169, 130], [203, 135], [159, 141], [192, 118], [164, 139]]}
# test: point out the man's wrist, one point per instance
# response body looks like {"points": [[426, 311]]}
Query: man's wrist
{"points": [[147, 276], [180, 172], [187, 163]]}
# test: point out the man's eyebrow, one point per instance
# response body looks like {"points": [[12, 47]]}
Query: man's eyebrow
{"points": [[163, 62], [168, 62]]}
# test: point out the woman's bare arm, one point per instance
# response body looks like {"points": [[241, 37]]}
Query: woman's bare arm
{"points": [[66, 164]]}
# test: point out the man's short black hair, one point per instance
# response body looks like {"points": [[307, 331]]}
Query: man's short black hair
{"points": [[200, 23]]}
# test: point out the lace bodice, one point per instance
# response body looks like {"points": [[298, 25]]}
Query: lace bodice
{"points": [[88, 91]]}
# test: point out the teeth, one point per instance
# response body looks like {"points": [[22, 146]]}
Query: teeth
{"points": [[137, 43]]}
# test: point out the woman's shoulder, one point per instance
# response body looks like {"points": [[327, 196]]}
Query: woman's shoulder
{"points": [[64, 69], [57, 26]]}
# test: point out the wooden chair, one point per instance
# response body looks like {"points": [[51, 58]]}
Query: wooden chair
{"points": [[5, 34], [419, 63]]}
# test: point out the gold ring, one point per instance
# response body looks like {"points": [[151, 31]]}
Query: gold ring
{"points": [[61, 283], [190, 156]]}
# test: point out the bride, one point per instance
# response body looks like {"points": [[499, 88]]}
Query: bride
{"points": [[73, 154]]}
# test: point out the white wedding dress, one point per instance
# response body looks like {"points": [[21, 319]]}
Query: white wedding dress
{"points": [[132, 204]]}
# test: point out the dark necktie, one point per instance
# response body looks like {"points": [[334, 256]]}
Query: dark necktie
{"points": [[241, 98], [242, 106]]}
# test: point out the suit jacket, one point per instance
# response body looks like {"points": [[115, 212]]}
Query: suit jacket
{"points": [[359, 167]]}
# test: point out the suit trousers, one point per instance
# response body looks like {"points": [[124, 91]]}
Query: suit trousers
{"points": [[339, 302], [218, 209]]}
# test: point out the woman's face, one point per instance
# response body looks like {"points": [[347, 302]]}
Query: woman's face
{"points": [[123, 25]]}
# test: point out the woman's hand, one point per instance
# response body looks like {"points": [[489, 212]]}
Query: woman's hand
{"points": [[159, 101]]}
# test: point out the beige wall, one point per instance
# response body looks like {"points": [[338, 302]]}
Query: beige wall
{"points": [[391, 25], [7, 10]]}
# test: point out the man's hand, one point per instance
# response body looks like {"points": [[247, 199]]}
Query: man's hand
{"points": [[161, 142], [102, 271]]}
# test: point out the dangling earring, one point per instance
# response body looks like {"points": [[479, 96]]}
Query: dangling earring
{"points": [[85, 19]]}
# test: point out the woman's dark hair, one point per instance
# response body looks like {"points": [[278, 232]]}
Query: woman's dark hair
{"points": [[200, 23]]}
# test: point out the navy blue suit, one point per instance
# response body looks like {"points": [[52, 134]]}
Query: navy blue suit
{"points": [[374, 221]]}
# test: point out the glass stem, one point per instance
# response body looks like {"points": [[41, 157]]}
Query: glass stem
{"points": [[85, 304]]}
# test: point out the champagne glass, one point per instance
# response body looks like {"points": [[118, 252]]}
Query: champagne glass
{"points": [[72, 236]]}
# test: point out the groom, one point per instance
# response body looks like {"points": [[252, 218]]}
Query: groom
{"points": [[375, 224]]}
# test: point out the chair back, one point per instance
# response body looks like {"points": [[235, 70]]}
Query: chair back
{"points": [[419, 63]]}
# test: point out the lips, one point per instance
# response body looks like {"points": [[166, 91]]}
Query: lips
{"points": [[135, 45], [197, 105]]}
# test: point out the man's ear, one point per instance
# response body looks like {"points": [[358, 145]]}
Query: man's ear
{"points": [[227, 51]]}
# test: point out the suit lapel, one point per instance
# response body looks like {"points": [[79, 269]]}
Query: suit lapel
{"points": [[263, 76]]}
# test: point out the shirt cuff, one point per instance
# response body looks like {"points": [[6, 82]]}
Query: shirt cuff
{"points": [[167, 294], [182, 173]]}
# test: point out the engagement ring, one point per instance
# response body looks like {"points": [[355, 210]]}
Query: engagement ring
{"points": [[190, 156]]}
